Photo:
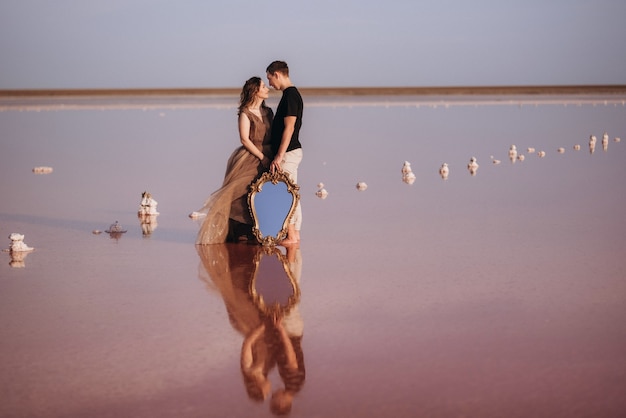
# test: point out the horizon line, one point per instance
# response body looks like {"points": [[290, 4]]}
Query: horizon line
{"points": [[329, 91]]}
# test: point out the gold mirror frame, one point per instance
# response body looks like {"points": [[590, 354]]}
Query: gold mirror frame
{"points": [[255, 188], [274, 309]]}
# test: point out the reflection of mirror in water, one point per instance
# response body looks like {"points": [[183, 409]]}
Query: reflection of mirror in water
{"points": [[273, 288], [272, 284]]}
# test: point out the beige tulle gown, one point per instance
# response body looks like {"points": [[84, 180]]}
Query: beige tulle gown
{"points": [[231, 200]]}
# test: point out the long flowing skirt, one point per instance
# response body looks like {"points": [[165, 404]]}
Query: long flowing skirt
{"points": [[231, 200]]}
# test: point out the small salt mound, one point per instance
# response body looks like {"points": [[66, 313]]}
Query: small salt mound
{"points": [[42, 170], [408, 178], [321, 193], [444, 171]]}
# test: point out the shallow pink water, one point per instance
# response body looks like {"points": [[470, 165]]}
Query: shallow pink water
{"points": [[501, 294]]}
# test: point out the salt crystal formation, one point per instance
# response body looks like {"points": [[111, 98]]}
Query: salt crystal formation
{"points": [[42, 170], [513, 153], [444, 171], [18, 244], [18, 250], [148, 205], [148, 214], [407, 174], [473, 166], [115, 228], [592, 144], [361, 186], [322, 194], [321, 191]]}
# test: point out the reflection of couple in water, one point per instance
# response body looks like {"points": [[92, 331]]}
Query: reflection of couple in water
{"points": [[271, 340]]}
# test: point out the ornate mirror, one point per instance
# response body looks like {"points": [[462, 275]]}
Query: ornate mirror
{"points": [[272, 201], [273, 288]]}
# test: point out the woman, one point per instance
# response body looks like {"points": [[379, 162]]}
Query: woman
{"points": [[228, 216]]}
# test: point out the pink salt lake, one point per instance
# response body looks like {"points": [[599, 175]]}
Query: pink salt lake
{"points": [[499, 294]]}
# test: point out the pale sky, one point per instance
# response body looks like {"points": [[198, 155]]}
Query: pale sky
{"points": [[351, 43]]}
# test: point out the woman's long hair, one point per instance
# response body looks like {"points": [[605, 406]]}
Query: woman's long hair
{"points": [[249, 92]]}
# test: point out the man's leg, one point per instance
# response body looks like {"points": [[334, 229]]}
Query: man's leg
{"points": [[290, 166]]}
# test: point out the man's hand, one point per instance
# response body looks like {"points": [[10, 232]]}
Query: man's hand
{"points": [[276, 165]]}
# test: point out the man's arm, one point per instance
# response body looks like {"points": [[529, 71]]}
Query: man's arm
{"points": [[290, 126]]}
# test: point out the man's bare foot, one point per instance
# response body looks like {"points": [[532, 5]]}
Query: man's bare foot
{"points": [[293, 236], [289, 241]]}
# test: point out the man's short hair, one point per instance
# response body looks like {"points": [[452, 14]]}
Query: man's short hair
{"points": [[278, 66]]}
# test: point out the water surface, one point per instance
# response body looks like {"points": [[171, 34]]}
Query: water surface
{"points": [[499, 294]]}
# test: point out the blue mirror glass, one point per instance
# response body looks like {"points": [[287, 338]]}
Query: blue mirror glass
{"points": [[272, 200]]}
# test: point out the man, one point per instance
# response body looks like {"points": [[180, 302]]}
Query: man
{"points": [[285, 136]]}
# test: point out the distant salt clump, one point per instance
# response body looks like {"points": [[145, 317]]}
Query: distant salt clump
{"points": [[541, 154], [18, 250], [407, 173], [444, 171], [361, 186], [616, 139], [513, 153], [473, 166], [592, 144], [577, 147], [115, 228], [42, 170], [18, 244], [148, 205], [321, 192], [147, 213], [530, 150], [409, 178], [605, 141], [494, 160], [561, 150], [520, 157]]}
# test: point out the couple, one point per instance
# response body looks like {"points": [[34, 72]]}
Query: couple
{"points": [[268, 142]]}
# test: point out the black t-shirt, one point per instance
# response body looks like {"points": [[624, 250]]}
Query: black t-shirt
{"points": [[290, 105]]}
